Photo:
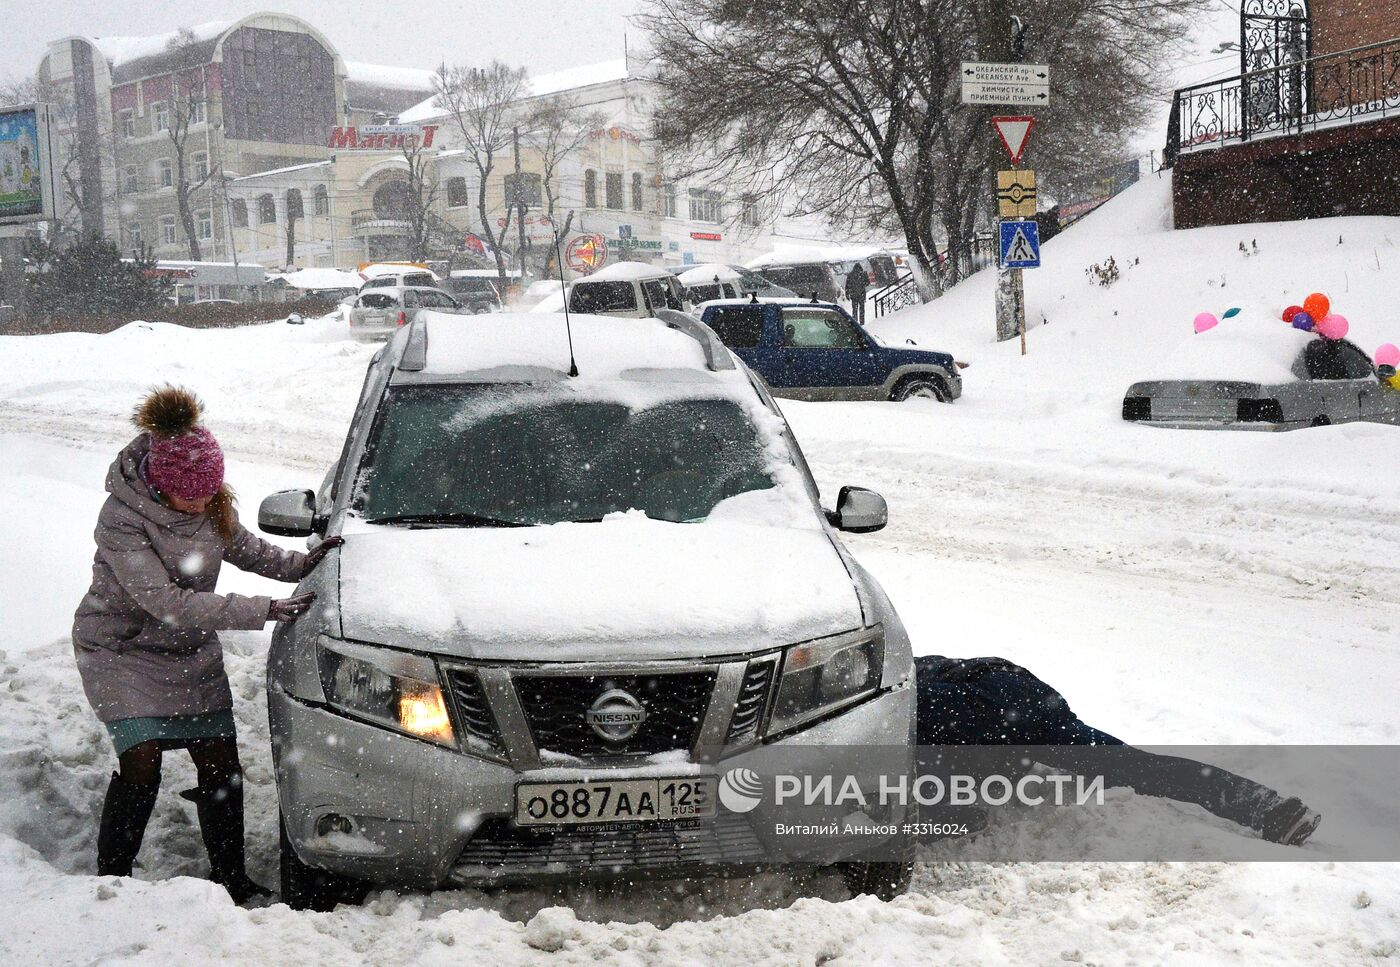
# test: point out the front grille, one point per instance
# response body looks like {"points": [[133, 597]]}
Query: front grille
{"points": [[753, 699], [474, 714], [555, 707], [501, 850]]}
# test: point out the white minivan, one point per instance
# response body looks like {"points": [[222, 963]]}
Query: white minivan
{"points": [[632, 289]]}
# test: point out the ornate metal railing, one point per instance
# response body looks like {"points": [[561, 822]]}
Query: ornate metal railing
{"points": [[388, 223], [896, 295], [1290, 98]]}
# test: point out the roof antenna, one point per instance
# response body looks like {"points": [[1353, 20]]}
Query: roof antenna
{"points": [[568, 329]]}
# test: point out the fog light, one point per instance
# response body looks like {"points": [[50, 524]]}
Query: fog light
{"points": [[334, 823]]}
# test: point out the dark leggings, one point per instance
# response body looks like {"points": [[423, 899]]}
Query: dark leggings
{"points": [[991, 702], [215, 759]]}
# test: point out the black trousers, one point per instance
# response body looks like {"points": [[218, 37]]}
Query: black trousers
{"points": [[992, 702]]}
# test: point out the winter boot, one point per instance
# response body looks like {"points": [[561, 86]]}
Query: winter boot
{"points": [[1289, 822], [125, 812], [220, 809]]}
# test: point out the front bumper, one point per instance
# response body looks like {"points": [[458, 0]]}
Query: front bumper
{"points": [[425, 816]]}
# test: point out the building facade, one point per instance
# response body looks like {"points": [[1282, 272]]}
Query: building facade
{"points": [[1306, 130]]}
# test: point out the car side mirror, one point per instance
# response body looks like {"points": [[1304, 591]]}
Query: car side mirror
{"points": [[288, 513], [859, 511], [1386, 372]]}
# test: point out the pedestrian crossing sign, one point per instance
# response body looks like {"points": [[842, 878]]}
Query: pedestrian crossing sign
{"points": [[1020, 245]]}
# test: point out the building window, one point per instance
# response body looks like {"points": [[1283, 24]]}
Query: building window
{"points": [[590, 189], [167, 229], [205, 222], [199, 111], [457, 192], [321, 200], [199, 164], [131, 179], [613, 190], [240, 213], [126, 122], [636, 191], [160, 116], [749, 213], [267, 210], [668, 196], [133, 232], [165, 173], [704, 205]]}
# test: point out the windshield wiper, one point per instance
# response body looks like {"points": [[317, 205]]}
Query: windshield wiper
{"points": [[446, 520]]}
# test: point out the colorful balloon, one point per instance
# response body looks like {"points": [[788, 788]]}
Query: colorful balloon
{"points": [[1332, 326], [1317, 305], [1303, 321], [1394, 382], [1290, 312], [1231, 313], [1204, 321], [1388, 355]]}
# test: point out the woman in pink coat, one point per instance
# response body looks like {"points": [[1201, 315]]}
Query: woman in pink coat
{"points": [[145, 633]]}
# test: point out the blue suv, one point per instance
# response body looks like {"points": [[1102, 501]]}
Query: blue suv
{"points": [[815, 351]]}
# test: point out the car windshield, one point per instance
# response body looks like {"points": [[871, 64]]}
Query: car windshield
{"points": [[512, 455], [799, 278]]}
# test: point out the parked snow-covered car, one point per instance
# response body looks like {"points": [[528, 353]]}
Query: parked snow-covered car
{"points": [[475, 289], [1250, 374], [716, 280], [386, 276], [809, 277], [632, 289], [380, 312], [572, 590]]}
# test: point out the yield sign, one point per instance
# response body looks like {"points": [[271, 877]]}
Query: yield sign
{"points": [[1014, 132]]}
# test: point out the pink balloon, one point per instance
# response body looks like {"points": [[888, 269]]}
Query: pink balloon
{"points": [[1204, 321], [1388, 355], [1333, 326]]}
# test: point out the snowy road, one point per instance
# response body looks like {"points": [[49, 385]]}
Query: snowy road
{"points": [[1178, 587]]}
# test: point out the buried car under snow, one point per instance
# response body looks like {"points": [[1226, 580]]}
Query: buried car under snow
{"points": [[1253, 374], [566, 605]]}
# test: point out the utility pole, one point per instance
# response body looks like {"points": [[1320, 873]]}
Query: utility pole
{"points": [[520, 203], [12, 244], [1011, 289]]}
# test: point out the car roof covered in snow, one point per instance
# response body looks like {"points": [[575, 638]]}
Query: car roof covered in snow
{"points": [[778, 300], [627, 272], [705, 274], [526, 348], [1252, 347]]}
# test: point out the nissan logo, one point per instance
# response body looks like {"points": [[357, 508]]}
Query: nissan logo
{"points": [[615, 716]]}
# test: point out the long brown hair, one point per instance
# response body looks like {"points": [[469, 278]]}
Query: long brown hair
{"points": [[223, 511]]}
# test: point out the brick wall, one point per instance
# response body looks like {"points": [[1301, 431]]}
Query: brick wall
{"points": [[1343, 24]]}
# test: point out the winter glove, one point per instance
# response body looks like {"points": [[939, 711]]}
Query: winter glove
{"points": [[289, 609], [314, 557]]}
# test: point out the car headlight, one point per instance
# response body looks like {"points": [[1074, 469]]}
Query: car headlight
{"points": [[821, 676], [387, 687]]}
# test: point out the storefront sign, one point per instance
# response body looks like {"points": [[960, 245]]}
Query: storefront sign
{"points": [[707, 236], [586, 253], [640, 244], [616, 134], [382, 137]]}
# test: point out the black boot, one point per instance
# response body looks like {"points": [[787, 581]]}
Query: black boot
{"points": [[220, 808], [1289, 822], [125, 812]]}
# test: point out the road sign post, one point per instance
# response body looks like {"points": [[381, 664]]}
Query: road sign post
{"points": [[988, 83]]}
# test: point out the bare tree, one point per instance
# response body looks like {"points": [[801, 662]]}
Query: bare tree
{"points": [[296, 210], [555, 130], [420, 195], [188, 107], [851, 108], [479, 101]]}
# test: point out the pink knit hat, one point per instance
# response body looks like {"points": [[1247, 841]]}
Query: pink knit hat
{"points": [[184, 459], [189, 466]]}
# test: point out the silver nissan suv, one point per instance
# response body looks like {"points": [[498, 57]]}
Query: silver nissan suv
{"points": [[565, 607]]}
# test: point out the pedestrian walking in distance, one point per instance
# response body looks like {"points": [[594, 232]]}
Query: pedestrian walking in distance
{"points": [[857, 284], [145, 635]]}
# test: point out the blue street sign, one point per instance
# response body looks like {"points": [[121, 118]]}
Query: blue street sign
{"points": [[1020, 245]]}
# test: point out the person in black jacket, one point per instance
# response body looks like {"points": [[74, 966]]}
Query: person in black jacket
{"points": [[857, 284], [990, 701]]}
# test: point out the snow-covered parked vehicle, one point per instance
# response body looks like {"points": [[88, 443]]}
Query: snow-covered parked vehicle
{"points": [[716, 280], [631, 289], [560, 597], [1253, 374], [379, 313]]}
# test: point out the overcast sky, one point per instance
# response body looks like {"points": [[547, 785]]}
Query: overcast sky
{"points": [[542, 35]]}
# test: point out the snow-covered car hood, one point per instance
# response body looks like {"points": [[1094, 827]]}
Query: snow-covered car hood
{"points": [[625, 588]]}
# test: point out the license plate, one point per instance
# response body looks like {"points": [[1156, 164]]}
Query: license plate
{"points": [[613, 801]]}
